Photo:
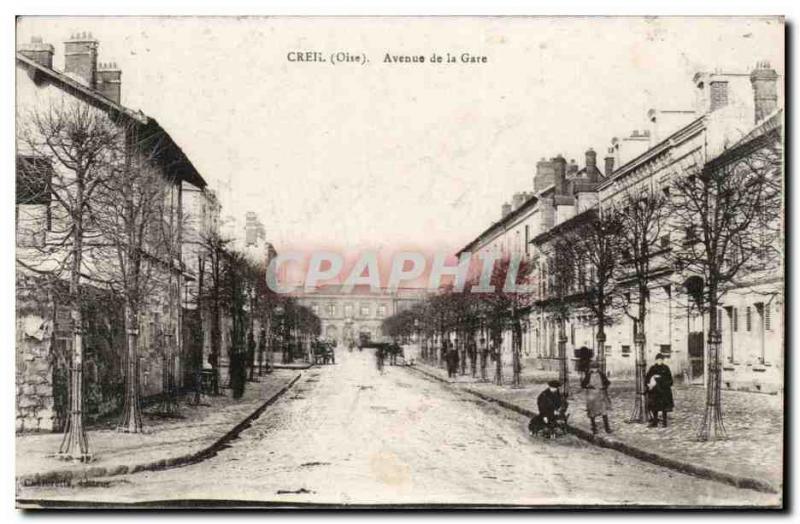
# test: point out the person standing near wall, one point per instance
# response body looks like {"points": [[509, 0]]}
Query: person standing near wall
{"points": [[659, 391]]}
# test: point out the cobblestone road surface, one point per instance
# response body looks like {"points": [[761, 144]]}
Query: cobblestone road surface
{"points": [[346, 434]]}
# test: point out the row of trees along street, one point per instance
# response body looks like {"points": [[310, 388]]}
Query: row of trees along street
{"points": [[115, 225], [604, 262]]}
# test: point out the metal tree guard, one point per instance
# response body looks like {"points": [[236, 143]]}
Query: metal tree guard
{"points": [[638, 414], [712, 427]]}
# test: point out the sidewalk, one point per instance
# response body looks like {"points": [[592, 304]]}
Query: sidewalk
{"points": [[754, 423], [197, 432], [293, 365]]}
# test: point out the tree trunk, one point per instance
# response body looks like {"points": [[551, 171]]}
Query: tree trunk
{"points": [[601, 349], [216, 336], [712, 427], [498, 363], [75, 446], [131, 421], [639, 412], [563, 368], [169, 402], [516, 347]]}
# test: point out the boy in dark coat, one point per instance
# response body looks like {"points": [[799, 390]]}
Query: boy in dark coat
{"points": [[549, 401], [659, 391]]}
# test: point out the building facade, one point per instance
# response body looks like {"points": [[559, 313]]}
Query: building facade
{"points": [[346, 316], [735, 114], [44, 327]]}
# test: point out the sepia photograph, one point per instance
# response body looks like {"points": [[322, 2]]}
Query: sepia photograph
{"points": [[399, 262]]}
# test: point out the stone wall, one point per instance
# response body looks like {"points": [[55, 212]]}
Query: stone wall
{"points": [[34, 374]]}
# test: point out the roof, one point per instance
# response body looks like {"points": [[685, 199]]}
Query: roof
{"points": [[652, 152], [750, 142], [359, 291], [176, 158], [556, 230], [503, 221]]}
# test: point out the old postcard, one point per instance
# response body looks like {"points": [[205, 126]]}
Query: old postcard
{"points": [[399, 262]]}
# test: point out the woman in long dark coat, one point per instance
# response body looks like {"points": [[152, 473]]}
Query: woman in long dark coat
{"points": [[659, 391]]}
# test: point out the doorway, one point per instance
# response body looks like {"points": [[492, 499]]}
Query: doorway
{"points": [[696, 357]]}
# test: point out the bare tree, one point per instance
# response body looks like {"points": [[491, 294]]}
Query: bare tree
{"points": [[558, 266], [593, 244], [507, 306], [131, 207], [730, 211], [214, 250], [69, 144], [641, 213]]}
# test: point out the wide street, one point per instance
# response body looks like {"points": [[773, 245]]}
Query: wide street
{"points": [[346, 434]]}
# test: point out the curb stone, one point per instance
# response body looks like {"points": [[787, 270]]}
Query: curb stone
{"points": [[627, 449], [64, 478]]}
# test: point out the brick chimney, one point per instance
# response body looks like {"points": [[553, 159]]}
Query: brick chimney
{"points": [[609, 167], [572, 168], [544, 175], [517, 200], [38, 51], [591, 159], [505, 210], [559, 175], [109, 81], [765, 90], [80, 58], [592, 172]]}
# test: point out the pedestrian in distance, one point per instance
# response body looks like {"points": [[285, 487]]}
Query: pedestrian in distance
{"points": [[595, 384], [262, 351], [251, 355], [659, 391], [451, 357], [379, 357]]}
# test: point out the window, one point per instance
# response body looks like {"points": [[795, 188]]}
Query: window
{"points": [[348, 310], [34, 180], [33, 200], [719, 95], [665, 241], [748, 319], [608, 351], [364, 310], [735, 319], [665, 349], [331, 310], [382, 310], [626, 351]]}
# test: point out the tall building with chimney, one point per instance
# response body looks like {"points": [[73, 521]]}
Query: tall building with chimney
{"points": [[734, 115], [44, 331]]}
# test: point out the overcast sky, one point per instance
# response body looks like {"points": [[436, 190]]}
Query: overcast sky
{"points": [[384, 156]]}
